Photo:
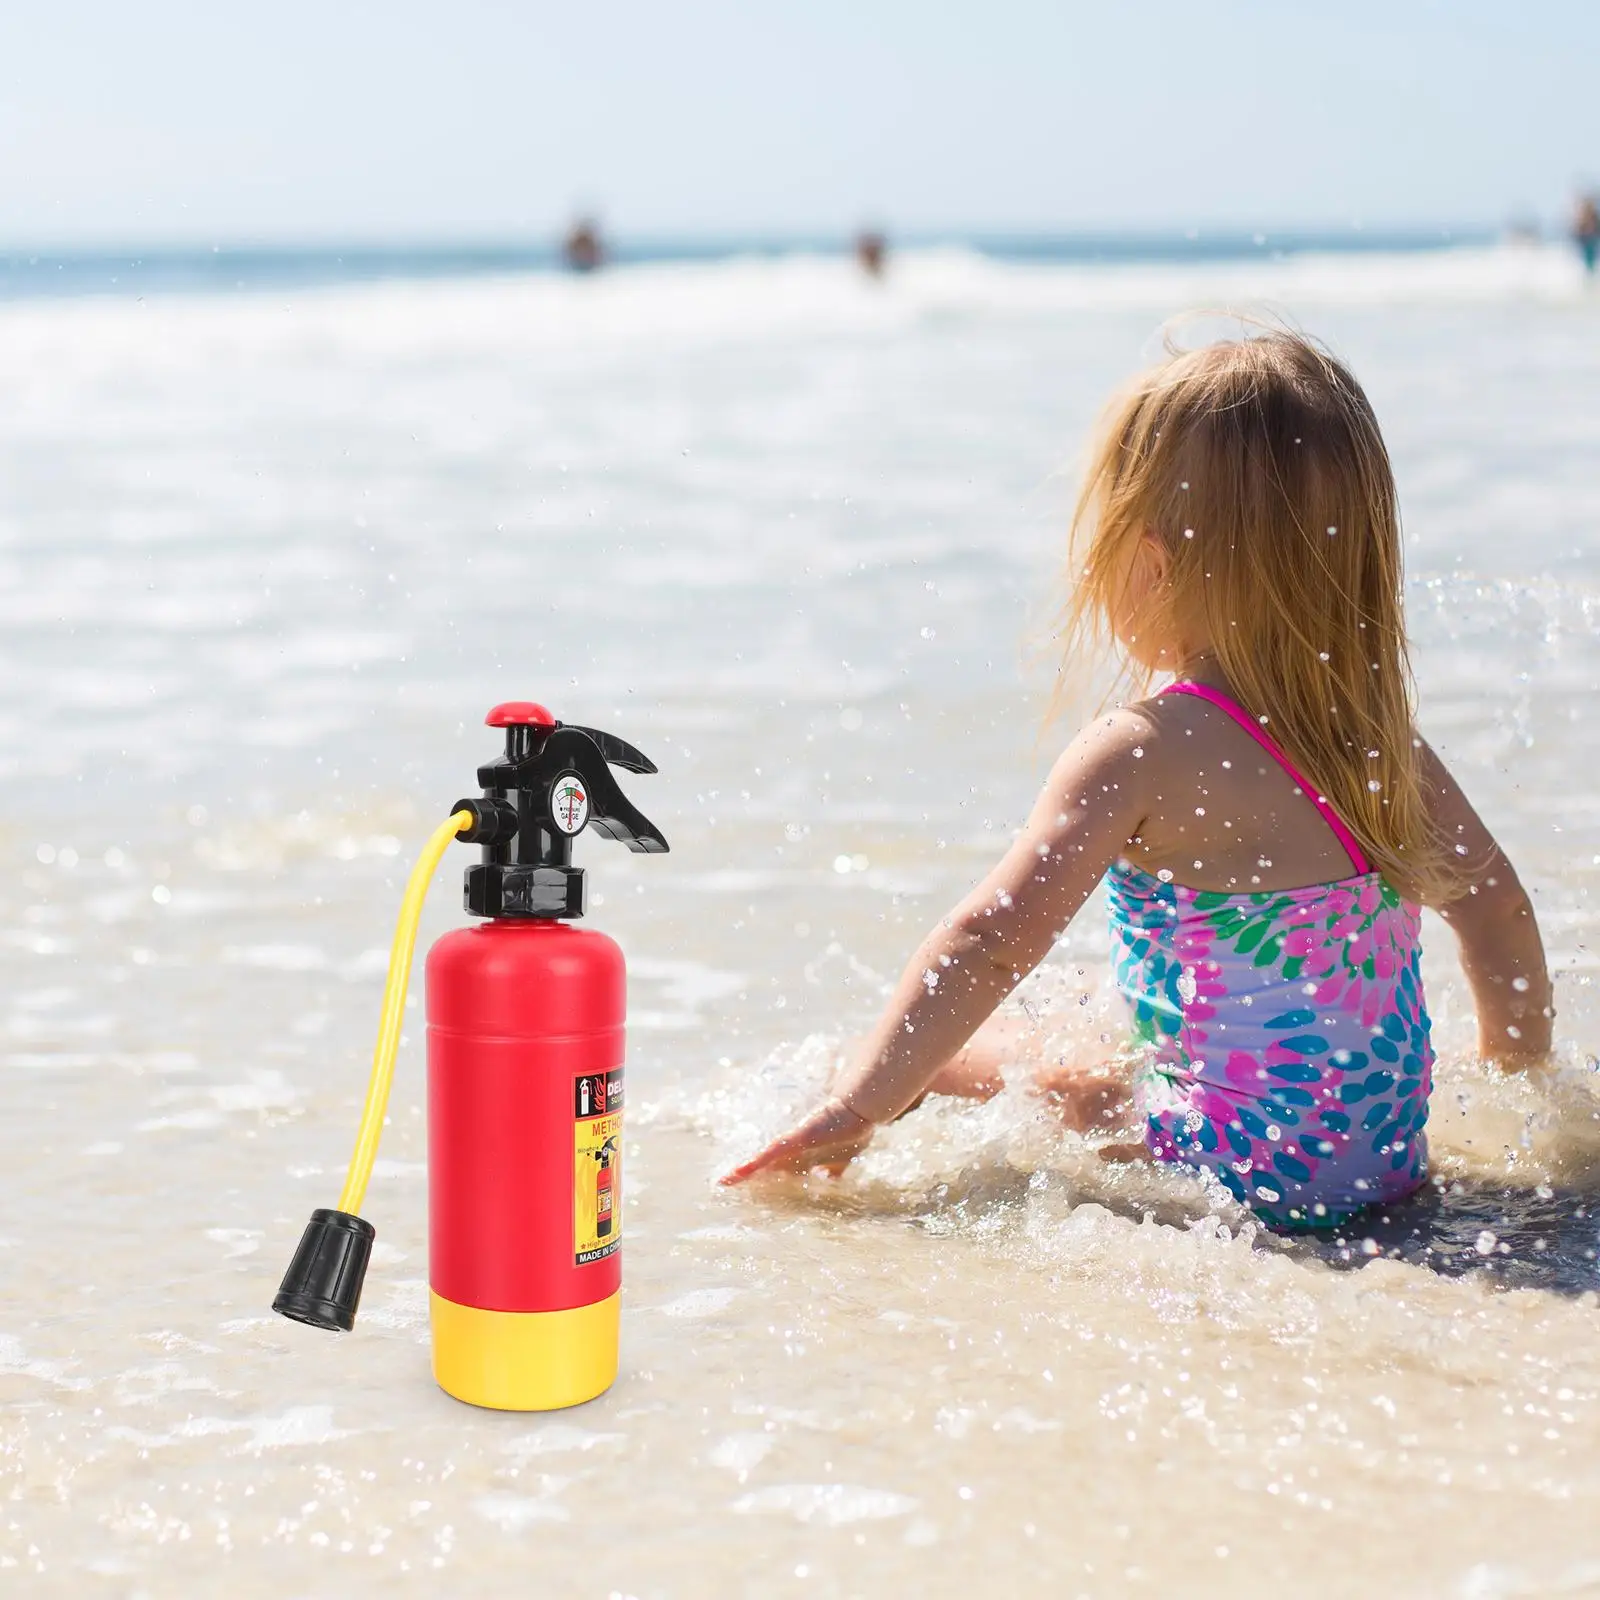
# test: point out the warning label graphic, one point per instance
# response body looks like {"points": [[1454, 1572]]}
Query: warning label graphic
{"points": [[597, 1166], [598, 1094]]}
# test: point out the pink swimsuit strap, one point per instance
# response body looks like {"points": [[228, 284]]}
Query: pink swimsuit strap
{"points": [[1223, 703]]}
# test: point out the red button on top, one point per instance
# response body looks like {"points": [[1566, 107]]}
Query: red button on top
{"points": [[520, 714]]}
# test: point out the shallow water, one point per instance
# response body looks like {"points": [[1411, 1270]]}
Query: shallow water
{"points": [[265, 563]]}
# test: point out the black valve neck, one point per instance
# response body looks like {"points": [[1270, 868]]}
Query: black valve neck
{"points": [[522, 742]]}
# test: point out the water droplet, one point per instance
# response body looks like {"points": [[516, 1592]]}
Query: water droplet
{"points": [[1165, 875], [1138, 752], [1188, 533], [1485, 1243], [1520, 985]]}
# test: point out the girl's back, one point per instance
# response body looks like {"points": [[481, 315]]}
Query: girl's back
{"points": [[1273, 978]]}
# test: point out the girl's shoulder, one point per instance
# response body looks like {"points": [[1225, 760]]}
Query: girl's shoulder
{"points": [[1120, 731], [1168, 726], [1135, 747], [1192, 718], [1178, 739]]}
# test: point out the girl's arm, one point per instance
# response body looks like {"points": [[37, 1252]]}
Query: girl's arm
{"points": [[1090, 807], [1493, 920]]}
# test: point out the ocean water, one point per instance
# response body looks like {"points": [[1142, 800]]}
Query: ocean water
{"points": [[227, 269], [266, 558]]}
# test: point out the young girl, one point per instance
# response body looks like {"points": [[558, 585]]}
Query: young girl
{"points": [[1267, 825]]}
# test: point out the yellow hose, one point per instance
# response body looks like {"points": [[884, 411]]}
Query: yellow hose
{"points": [[394, 1004]]}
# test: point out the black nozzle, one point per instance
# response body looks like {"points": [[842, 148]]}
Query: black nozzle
{"points": [[323, 1284], [493, 821]]}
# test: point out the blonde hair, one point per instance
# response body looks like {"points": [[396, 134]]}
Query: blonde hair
{"points": [[1258, 467]]}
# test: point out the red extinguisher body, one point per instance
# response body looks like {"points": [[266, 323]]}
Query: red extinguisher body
{"points": [[525, 1051]]}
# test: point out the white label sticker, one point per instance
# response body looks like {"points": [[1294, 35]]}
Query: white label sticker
{"points": [[569, 803]]}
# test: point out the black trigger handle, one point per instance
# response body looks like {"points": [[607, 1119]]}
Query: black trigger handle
{"points": [[617, 751]]}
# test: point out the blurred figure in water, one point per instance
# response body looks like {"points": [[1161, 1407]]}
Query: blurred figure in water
{"points": [[872, 252], [1586, 230], [582, 249]]}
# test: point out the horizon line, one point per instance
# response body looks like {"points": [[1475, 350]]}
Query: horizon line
{"points": [[528, 240]]}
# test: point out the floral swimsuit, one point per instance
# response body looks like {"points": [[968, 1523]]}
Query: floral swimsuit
{"points": [[1284, 1037]]}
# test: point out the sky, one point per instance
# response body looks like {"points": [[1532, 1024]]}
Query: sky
{"points": [[178, 122]]}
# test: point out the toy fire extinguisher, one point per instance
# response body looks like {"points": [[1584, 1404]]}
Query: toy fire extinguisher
{"points": [[525, 1046]]}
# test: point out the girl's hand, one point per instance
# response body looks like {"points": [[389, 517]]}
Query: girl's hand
{"points": [[832, 1137]]}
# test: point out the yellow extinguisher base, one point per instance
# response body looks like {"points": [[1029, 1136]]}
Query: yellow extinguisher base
{"points": [[525, 1360]]}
